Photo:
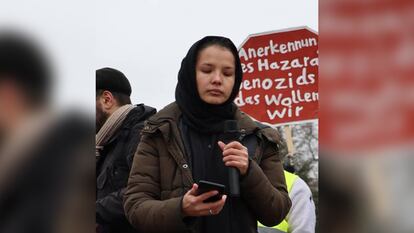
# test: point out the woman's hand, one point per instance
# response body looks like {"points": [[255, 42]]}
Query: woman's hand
{"points": [[193, 205], [235, 155]]}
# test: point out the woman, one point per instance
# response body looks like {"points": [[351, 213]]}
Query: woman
{"points": [[183, 144]]}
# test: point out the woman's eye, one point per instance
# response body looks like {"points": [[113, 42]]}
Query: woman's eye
{"points": [[227, 74], [207, 71]]}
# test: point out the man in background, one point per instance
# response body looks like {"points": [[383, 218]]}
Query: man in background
{"points": [[118, 127]]}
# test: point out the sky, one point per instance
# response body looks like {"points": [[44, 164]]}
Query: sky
{"points": [[145, 39]]}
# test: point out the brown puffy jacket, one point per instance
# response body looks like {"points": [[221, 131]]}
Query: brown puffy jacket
{"points": [[160, 176]]}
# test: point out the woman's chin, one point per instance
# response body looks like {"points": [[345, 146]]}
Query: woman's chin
{"points": [[214, 100]]}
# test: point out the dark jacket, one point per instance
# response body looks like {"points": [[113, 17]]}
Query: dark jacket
{"points": [[113, 168], [160, 176], [47, 177]]}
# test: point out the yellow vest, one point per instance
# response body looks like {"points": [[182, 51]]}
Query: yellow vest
{"points": [[283, 226]]}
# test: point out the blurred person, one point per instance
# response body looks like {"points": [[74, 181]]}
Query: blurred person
{"points": [[301, 217], [341, 205], [183, 144], [118, 127], [43, 166], [366, 116]]}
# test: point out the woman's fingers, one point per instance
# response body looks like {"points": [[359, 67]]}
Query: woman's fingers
{"points": [[235, 158], [194, 205], [221, 145], [232, 145], [213, 208], [237, 152], [205, 196], [235, 155], [235, 145], [193, 189]]}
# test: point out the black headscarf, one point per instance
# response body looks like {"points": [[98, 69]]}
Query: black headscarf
{"points": [[197, 113]]}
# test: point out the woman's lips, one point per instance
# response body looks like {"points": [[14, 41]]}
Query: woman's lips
{"points": [[215, 92]]}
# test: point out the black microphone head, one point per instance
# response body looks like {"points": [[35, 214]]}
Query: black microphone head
{"points": [[230, 126]]}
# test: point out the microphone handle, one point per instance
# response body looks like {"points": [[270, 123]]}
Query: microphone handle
{"points": [[234, 183], [232, 134]]}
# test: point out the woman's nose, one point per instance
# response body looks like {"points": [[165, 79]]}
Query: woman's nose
{"points": [[217, 78]]}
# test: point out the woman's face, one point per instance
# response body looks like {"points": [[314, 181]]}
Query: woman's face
{"points": [[215, 74]]}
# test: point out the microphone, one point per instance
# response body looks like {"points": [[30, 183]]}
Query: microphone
{"points": [[231, 132]]}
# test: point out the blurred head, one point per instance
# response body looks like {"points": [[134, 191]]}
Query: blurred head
{"points": [[113, 90], [25, 78]]}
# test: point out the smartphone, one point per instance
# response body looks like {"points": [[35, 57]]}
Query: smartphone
{"points": [[206, 186]]}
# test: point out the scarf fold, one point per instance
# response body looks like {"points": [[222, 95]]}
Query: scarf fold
{"points": [[110, 127]]}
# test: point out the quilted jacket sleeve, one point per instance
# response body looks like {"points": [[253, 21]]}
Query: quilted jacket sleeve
{"points": [[264, 186], [142, 200]]}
